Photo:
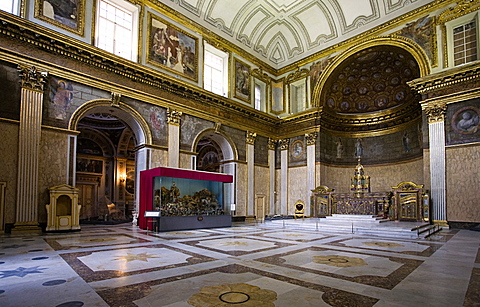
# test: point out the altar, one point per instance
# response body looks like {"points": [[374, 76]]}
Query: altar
{"points": [[405, 202]]}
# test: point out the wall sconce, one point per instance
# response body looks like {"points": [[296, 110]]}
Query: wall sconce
{"points": [[122, 178]]}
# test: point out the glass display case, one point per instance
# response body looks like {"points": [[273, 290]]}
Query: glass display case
{"points": [[184, 199]]}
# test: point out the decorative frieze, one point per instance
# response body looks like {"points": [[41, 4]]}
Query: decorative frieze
{"points": [[173, 117], [284, 143], [435, 112], [251, 137], [32, 78], [311, 138]]}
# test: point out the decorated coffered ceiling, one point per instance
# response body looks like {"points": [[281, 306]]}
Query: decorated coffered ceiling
{"points": [[282, 32]]}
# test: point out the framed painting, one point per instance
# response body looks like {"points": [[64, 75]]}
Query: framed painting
{"points": [[171, 48], [242, 80], [65, 14]]}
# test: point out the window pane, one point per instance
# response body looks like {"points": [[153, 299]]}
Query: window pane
{"points": [[465, 43]]}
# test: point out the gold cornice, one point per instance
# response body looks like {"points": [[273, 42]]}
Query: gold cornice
{"points": [[453, 76], [136, 72]]}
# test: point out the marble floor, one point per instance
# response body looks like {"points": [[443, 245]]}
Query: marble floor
{"points": [[263, 264]]}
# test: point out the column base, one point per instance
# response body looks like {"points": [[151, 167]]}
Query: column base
{"points": [[441, 223], [26, 228]]}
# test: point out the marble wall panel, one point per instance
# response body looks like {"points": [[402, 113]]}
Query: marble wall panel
{"points": [[262, 184], [185, 161], [8, 167], [159, 158], [242, 186], [261, 150], [52, 166], [9, 91], [463, 181], [297, 187]]}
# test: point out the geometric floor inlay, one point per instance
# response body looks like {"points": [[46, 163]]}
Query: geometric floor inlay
{"points": [[133, 259]]}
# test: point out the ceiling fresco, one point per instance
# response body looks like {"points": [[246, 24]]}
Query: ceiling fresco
{"points": [[282, 32]]}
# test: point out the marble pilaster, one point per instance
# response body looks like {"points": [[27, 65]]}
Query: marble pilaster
{"points": [[32, 82], [436, 129], [173, 120], [250, 139], [284, 144]]}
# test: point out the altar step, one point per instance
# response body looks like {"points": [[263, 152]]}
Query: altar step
{"points": [[369, 225], [355, 218]]}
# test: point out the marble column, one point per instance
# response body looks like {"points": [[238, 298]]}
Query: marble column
{"points": [[436, 129], [272, 144], [284, 144], [311, 139], [32, 83], [250, 139], [173, 120]]}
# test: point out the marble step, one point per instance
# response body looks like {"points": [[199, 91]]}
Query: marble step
{"points": [[353, 218]]}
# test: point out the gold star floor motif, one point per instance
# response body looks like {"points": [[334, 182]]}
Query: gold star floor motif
{"points": [[131, 257]]}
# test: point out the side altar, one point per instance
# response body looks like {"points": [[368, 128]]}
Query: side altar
{"points": [[406, 201]]}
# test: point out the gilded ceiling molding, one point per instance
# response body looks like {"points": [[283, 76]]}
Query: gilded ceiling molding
{"points": [[370, 34], [462, 8], [272, 144], [284, 143], [174, 117], [311, 138], [87, 108], [407, 44], [251, 137], [435, 112], [32, 78]]}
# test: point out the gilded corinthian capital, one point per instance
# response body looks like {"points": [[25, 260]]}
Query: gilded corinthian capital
{"points": [[272, 144], [251, 137], [311, 138], [435, 112], [31, 78], [284, 143], [173, 117]]}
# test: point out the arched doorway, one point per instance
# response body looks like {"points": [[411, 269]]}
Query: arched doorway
{"points": [[216, 153], [110, 153]]}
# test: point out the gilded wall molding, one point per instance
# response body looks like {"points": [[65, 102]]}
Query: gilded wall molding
{"points": [[32, 78], [250, 138], [435, 112], [174, 117]]}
